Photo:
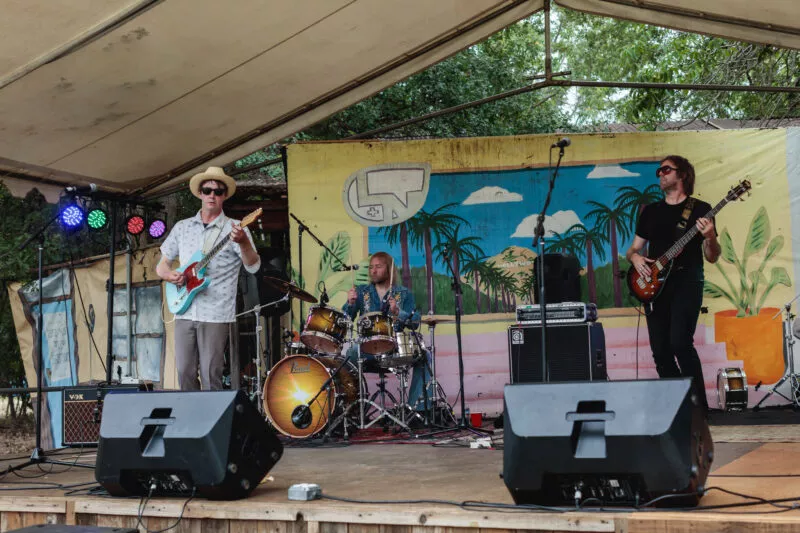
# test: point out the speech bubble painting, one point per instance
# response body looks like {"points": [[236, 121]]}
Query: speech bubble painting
{"points": [[388, 194]]}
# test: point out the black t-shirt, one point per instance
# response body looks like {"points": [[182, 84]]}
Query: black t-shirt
{"points": [[657, 225]]}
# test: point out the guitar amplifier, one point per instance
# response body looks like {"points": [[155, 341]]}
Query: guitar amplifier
{"points": [[575, 352], [82, 407]]}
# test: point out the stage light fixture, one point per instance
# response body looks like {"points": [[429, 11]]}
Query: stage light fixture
{"points": [[72, 216], [157, 228], [97, 219], [134, 224]]}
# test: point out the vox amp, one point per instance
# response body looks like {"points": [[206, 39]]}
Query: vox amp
{"points": [[82, 407]]}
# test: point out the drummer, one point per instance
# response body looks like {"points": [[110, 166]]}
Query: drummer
{"points": [[383, 294]]}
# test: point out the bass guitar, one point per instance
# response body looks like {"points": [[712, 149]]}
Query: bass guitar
{"points": [[647, 288], [180, 298]]}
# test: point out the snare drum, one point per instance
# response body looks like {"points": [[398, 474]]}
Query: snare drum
{"points": [[326, 328], [377, 334], [732, 389], [295, 348], [407, 352]]}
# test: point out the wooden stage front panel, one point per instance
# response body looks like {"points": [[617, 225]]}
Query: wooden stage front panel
{"points": [[409, 472]]}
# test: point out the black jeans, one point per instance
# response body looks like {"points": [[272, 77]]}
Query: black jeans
{"points": [[671, 326]]}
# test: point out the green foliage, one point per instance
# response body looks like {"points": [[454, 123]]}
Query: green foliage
{"points": [[744, 297], [599, 48], [444, 300]]}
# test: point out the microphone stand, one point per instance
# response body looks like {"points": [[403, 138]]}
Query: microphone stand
{"points": [[538, 243], [300, 229], [463, 423], [38, 456]]}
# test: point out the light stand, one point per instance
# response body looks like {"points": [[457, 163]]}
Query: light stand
{"points": [[38, 456], [538, 243], [788, 337]]}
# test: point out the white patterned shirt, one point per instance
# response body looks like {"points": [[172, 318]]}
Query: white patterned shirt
{"points": [[217, 303]]}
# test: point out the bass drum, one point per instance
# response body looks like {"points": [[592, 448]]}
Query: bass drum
{"points": [[295, 380]]}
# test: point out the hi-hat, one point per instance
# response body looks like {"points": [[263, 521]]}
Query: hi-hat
{"points": [[293, 290], [432, 320]]}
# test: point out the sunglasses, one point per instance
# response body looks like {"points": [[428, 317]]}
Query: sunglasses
{"points": [[209, 190], [665, 169]]}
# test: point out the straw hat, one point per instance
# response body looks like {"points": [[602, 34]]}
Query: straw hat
{"points": [[213, 173]]}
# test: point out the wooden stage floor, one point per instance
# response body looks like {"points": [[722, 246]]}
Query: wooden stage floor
{"points": [[417, 471]]}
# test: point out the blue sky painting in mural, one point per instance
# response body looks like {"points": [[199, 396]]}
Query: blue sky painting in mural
{"points": [[502, 206]]}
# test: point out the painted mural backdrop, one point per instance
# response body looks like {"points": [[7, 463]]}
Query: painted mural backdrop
{"points": [[479, 213]]}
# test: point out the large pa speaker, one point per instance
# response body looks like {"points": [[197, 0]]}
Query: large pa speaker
{"points": [[212, 443], [605, 443], [575, 352], [253, 290], [562, 278]]}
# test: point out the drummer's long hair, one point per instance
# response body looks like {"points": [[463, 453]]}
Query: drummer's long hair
{"points": [[388, 261]]}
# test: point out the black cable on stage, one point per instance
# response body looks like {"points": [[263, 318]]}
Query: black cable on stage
{"points": [[143, 505]]}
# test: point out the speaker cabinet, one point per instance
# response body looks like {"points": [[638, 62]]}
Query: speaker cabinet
{"points": [[575, 352], [83, 410], [213, 444], [562, 279], [605, 443]]}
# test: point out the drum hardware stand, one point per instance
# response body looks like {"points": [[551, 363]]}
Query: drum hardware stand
{"points": [[794, 381], [439, 395], [362, 400], [256, 310]]}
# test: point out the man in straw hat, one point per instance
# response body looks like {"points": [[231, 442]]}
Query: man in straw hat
{"points": [[202, 331]]}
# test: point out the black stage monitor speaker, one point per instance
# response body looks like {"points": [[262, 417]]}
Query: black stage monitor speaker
{"points": [[575, 352], [562, 278], [212, 443], [605, 443]]}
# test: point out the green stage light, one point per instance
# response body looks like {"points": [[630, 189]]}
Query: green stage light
{"points": [[97, 219]]}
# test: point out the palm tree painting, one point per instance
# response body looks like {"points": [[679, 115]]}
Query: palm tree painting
{"points": [[486, 221], [592, 240], [611, 221], [456, 250], [427, 226]]}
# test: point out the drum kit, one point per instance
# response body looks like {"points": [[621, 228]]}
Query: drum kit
{"points": [[318, 387]]}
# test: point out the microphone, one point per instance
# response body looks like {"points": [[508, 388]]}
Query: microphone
{"points": [[563, 143], [323, 298], [301, 416], [81, 189]]}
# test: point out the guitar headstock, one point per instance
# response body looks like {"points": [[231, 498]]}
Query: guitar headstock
{"points": [[251, 217], [737, 191]]}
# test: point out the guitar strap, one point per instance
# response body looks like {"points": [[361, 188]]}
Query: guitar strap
{"points": [[210, 239], [680, 229]]}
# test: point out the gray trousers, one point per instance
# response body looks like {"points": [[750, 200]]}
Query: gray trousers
{"points": [[200, 348]]}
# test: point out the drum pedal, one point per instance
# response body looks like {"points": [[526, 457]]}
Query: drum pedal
{"points": [[305, 492]]}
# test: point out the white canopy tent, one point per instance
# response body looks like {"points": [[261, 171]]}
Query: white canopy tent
{"points": [[141, 93]]}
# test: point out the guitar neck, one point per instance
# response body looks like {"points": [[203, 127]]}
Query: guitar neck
{"points": [[217, 247], [690, 234]]}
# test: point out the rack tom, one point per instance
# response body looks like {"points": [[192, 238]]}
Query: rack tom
{"points": [[325, 329]]}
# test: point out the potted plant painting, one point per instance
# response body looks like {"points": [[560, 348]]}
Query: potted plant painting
{"points": [[751, 332]]}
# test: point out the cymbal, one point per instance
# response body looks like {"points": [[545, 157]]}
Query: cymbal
{"points": [[293, 290], [432, 320]]}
